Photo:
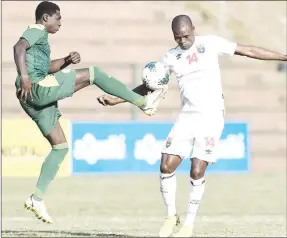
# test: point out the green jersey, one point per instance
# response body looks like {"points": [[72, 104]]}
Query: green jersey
{"points": [[38, 53]]}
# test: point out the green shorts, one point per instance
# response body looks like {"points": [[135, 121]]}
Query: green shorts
{"points": [[46, 93]]}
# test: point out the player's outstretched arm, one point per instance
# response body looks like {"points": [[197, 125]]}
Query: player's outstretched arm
{"points": [[108, 100], [59, 64], [25, 89], [259, 53]]}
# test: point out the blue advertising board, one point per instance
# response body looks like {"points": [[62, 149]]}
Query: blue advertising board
{"points": [[136, 147]]}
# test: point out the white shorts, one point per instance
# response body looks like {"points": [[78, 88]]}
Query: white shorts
{"points": [[195, 132]]}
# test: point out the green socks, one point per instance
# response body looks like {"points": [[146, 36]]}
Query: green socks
{"points": [[114, 87], [50, 168]]}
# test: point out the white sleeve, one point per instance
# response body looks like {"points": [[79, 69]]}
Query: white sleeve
{"points": [[223, 46], [166, 61]]}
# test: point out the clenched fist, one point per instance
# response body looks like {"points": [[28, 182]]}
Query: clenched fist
{"points": [[74, 57]]}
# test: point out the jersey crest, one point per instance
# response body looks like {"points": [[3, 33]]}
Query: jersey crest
{"points": [[200, 48]]}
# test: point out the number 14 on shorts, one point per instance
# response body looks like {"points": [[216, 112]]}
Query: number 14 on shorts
{"points": [[209, 144]]}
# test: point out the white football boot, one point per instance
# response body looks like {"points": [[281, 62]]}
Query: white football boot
{"points": [[39, 209], [153, 99], [169, 223]]}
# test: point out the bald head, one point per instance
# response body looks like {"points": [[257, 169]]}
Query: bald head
{"points": [[180, 20], [183, 31]]}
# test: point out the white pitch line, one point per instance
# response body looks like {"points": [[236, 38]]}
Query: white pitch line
{"points": [[124, 219]]}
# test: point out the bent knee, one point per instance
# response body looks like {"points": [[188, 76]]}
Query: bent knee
{"points": [[169, 163], [166, 169], [198, 168], [97, 74], [64, 148], [196, 174]]}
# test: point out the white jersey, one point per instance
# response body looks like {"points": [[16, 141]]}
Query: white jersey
{"points": [[198, 74]]}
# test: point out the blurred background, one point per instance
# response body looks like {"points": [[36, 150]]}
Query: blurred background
{"points": [[121, 37]]}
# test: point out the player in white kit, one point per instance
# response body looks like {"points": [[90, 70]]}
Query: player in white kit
{"points": [[200, 123]]}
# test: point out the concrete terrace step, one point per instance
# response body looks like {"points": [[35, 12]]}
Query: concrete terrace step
{"points": [[252, 78], [255, 98], [260, 121], [268, 143], [262, 164]]}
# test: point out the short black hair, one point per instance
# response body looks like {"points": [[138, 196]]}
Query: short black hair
{"points": [[46, 7], [181, 19]]}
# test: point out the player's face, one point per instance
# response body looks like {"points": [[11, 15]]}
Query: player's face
{"points": [[184, 36], [53, 23]]}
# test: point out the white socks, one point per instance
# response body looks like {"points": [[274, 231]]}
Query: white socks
{"points": [[196, 193], [168, 191]]}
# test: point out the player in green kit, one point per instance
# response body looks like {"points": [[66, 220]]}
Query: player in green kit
{"points": [[41, 83]]}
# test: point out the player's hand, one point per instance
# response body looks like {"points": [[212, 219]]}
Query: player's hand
{"points": [[106, 100], [25, 89], [74, 58]]}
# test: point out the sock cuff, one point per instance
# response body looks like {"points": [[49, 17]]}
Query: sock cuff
{"points": [[165, 176], [92, 74], [38, 193], [60, 146], [197, 182]]}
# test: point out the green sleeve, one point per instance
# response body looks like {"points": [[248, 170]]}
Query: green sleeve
{"points": [[32, 35]]}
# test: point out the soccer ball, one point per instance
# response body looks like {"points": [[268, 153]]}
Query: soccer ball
{"points": [[155, 75]]}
